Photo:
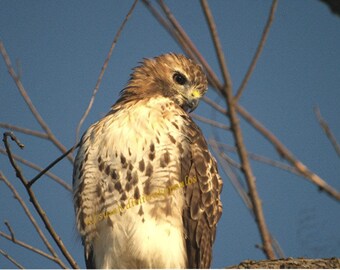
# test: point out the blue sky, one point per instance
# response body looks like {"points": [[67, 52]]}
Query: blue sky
{"points": [[60, 46]]}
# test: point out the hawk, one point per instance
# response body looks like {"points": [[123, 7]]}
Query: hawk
{"points": [[146, 188]]}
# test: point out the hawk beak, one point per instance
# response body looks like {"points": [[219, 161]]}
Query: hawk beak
{"points": [[194, 99], [192, 104]]}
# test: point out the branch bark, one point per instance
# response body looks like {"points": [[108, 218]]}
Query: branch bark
{"points": [[238, 138], [289, 263]]}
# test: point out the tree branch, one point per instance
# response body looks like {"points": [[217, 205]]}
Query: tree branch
{"points": [[287, 155], [238, 137], [327, 130], [39, 169], [218, 48], [29, 102], [237, 184], [234, 179], [209, 121], [258, 51], [260, 158], [214, 105], [24, 130], [11, 259], [35, 202], [32, 219], [51, 165], [33, 249]]}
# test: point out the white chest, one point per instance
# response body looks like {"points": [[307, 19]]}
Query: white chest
{"points": [[147, 233]]}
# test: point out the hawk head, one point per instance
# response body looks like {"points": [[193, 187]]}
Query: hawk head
{"points": [[170, 75]]}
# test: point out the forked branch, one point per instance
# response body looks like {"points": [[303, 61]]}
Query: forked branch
{"points": [[34, 200]]}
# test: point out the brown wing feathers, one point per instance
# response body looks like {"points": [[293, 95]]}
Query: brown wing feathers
{"points": [[202, 198]]}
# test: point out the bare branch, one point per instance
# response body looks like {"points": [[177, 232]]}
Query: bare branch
{"points": [[51, 165], [258, 51], [327, 130], [170, 25], [10, 230], [31, 248], [217, 44], [24, 130], [236, 182], [278, 249], [35, 202], [39, 169], [32, 219], [29, 102], [101, 74], [286, 154], [214, 105], [209, 121], [234, 179], [238, 137], [9, 153], [11, 259], [260, 158]]}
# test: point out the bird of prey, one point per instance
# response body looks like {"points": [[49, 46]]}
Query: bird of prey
{"points": [[146, 188]]}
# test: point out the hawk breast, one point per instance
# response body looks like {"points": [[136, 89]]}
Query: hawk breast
{"points": [[130, 183]]}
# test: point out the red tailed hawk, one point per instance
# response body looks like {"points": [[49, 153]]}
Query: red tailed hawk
{"points": [[146, 188]]}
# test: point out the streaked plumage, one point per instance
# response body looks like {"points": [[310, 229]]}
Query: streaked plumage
{"points": [[146, 188]]}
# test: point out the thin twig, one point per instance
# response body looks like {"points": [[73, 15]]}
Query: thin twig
{"points": [[287, 155], [214, 105], [170, 25], [209, 121], [217, 45], [39, 169], [51, 165], [31, 248], [258, 50], [238, 137], [101, 74], [236, 182], [35, 202], [24, 130], [10, 230], [32, 219], [259, 158], [324, 125], [29, 102], [11, 259], [278, 250]]}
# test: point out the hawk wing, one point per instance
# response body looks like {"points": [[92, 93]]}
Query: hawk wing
{"points": [[85, 196], [203, 205]]}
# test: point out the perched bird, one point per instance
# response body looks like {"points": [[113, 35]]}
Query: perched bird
{"points": [[146, 188]]}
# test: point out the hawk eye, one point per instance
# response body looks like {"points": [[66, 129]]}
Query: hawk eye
{"points": [[179, 78]]}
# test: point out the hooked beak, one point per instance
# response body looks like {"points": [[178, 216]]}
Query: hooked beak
{"points": [[191, 100], [192, 104]]}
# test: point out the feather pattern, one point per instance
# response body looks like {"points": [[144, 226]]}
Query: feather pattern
{"points": [[146, 188]]}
